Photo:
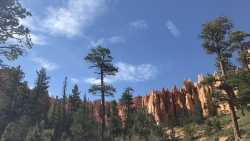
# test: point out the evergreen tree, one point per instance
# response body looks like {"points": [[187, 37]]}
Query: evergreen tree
{"points": [[11, 90], [74, 99], [102, 60], [11, 106], [114, 122], [52, 115], [197, 114], [85, 127], [36, 134], [58, 121], [214, 34], [184, 118], [126, 100], [64, 113], [170, 122], [38, 97], [16, 131], [141, 125], [241, 45]]}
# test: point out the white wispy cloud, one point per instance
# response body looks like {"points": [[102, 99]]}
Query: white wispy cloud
{"points": [[130, 73], [33, 23], [173, 29], [117, 39], [97, 81], [74, 80], [139, 23], [98, 42], [38, 39], [104, 41], [75, 16], [45, 63]]}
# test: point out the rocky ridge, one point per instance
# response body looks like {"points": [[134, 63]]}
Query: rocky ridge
{"points": [[161, 102]]}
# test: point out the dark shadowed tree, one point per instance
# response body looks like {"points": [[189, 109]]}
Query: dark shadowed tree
{"points": [[38, 97], [101, 60], [127, 100], [114, 122], [64, 114], [84, 126], [197, 113]]}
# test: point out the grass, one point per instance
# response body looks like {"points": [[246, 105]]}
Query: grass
{"points": [[226, 130]]}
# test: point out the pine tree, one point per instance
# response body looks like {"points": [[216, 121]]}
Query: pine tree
{"points": [[84, 126], [38, 97], [64, 97], [197, 114], [239, 44], [58, 121], [126, 100], [184, 117], [141, 125], [214, 34], [52, 115], [36, 134], [101, 60], [114, 122], [16, 131], [11, 92], [74, 99], [170, 122]]}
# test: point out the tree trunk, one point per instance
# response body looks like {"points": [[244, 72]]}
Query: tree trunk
{"points": [[103, 106], [234, 121], [242, 110], [222, 69]]}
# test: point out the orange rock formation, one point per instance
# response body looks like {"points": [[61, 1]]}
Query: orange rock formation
{"points": [[160, 103]]}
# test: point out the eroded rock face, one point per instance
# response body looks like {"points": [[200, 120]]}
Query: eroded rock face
{"points": [[161, 103]]}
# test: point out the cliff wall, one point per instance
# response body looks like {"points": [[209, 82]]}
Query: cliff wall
{"points": [[162, 102]]}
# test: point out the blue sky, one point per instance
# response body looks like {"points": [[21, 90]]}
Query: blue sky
{"points": [[154, 43]]}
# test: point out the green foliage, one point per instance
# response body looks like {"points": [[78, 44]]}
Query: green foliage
{"points": [[64, 114], [188, 133], [185, 117], [14, 97], [101, 59], [170, 122], [39, 97], [114, 122], [11, 11], [126, 100], [239, 43], [16, 131], [36, 134], [197, 114], [84, 126], [74, 99], [141, 124], [208, 127], [215, 34]]}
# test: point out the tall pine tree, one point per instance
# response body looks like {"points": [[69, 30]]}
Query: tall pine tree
{"points": [[102, 61], [39, 96]]}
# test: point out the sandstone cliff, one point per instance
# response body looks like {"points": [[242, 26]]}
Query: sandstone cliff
{"points": [[161, 102]]}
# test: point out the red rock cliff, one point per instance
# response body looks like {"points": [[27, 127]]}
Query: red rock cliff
{"points": [[161, 102]]}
